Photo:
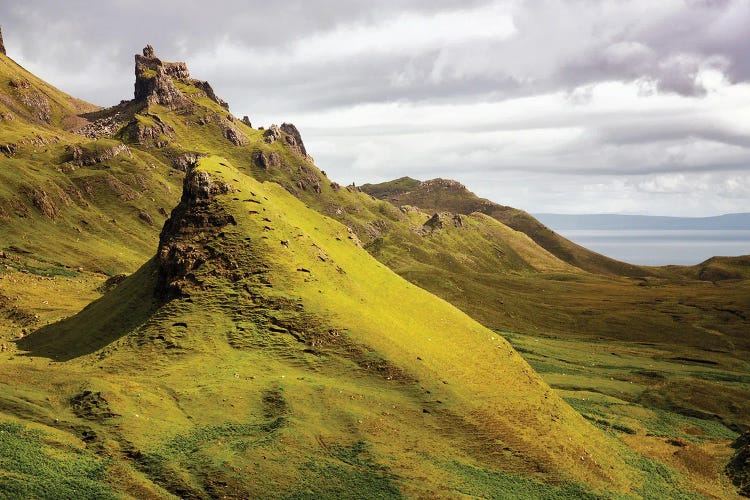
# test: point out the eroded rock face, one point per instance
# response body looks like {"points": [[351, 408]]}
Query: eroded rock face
{"points": [[84, 158], [234, 135], [294, 139], [150, 132], [153, 81], [272, 135], [2, 45], [268, 160], [185, 161], [182, 245]]}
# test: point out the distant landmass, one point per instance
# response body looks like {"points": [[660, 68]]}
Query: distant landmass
{"points": [[740, 221]]}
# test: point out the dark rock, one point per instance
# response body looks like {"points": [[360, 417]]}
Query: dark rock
{"points": [[185, 161], [234, 135], [153, 81], [272, 135], [145, 217], [43, 203], [246, 121], [209, 91], [268, 160], [294, 139], [194, 221], [433, 223], [2, 45], [83, 157], [151, 131], [112, 283]]}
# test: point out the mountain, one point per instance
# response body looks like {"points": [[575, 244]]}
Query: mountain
{"points": [[645, 222], [259, 314], [278, 334], [451, 196]]}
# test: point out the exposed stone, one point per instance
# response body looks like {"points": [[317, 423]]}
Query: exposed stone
{"points": [[458, 221], [43, 203], [145, 217], [234, 135], [272, 134], [82, 157], [36, 101], [433, 223], [106, 126], [246, 121], [193, 222], [151, 131], [185, 161], [209, 91], [2, 44], [268, 160], [8, 149], [20, 83], [294, 139], [153, 82]]}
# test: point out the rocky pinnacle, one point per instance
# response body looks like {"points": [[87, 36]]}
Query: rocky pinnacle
{"points": [[2, 45]]}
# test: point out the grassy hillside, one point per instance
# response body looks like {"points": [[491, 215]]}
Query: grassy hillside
{"points": [[446, 195], [285, 355], [281, 325]]}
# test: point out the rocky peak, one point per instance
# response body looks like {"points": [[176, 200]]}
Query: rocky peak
{"points": [[154, 81], [2, 45], [183, 241]]}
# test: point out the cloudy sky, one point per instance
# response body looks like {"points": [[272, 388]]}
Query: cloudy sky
{"points": [[569, 106]]}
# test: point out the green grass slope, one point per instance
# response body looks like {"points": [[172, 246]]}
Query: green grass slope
{"points": [[289, 354], [446, 195]]}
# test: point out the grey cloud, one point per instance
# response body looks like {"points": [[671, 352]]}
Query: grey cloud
{"points": [[565, 46]]}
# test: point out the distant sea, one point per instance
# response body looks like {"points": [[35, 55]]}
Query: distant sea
{"points": [[655, 241]]}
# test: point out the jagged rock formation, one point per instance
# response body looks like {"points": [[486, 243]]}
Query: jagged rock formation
{"points": [[154, 85], [153, 80], [2, 44], [182, 243], [294, 139]]}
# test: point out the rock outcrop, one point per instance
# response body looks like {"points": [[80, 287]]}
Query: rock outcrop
{"points": [[293, 138], [153, 80], [182, 243], [2, 44]]}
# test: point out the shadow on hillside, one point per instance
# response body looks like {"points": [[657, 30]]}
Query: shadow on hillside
{"points": [[100, 323]]}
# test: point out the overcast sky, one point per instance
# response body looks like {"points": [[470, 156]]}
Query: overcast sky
{"points": [[569, 106]]}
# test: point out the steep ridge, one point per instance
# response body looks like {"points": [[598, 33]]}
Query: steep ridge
{"points": [[279, 314], [451, 196]]}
